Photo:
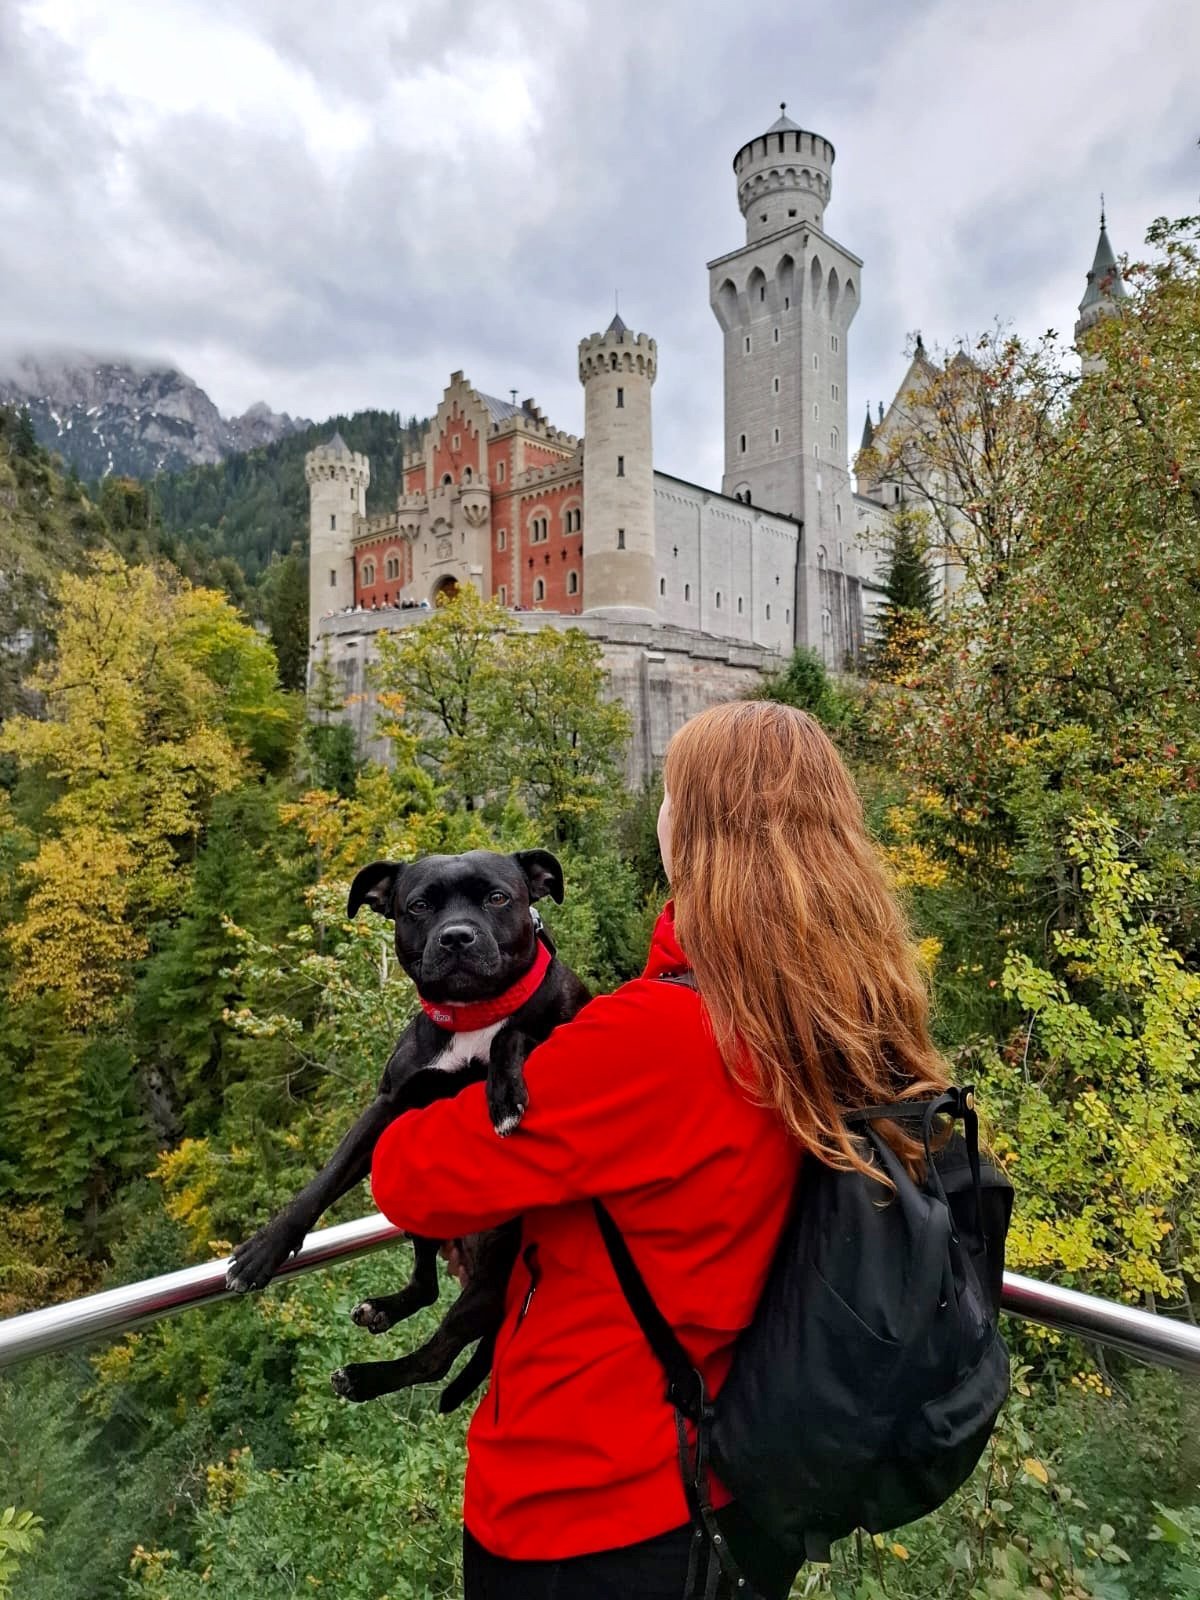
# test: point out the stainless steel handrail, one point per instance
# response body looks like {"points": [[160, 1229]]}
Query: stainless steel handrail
{"points": [[1157, 1339]]}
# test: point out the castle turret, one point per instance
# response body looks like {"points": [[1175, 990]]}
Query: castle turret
{"points": [[337, 493], [1102, 297], [617, 369], [784, 176]]}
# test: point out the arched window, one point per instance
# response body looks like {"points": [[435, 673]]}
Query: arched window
{"points": [[826, 621], [768, 611], [837, 512], [742, 443], [821, 558], [367, 573], [816, 412], [718, 599], [467, 475], [391, 567], [501, 538], [499, 472], [835, 438], [687, 591], [739, 605], [447, 480], [572, 583], [502, 595], [539, 530], [539, 588], [662, 587]]}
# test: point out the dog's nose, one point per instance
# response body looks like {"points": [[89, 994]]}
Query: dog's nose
{"points": [[457, 936]]}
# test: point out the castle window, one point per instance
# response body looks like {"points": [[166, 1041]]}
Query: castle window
{"points": [[762, 293], [620, 466], [791, 211], [391, 567], [620, 399], [776, 435], [747, 344], [787, 302], [835, 391], [718, 599], [776, 335], [332, 578], [841, 553], [896, 493], [787, 616], [458, 441], [816, 362], [572, 583], [332, 520], [620, 538], [502, 539], [539, 588], [367, 573], [539, 529], [572, 521], [834, 438], [467, 475], [774, 385], [614, 361], [742, 443], [739, 605], [502, 592], [446, 480], [826, 621], [662, 586], [816, 450], [764, 216], [499, 472], [837, 512], [820, 558], [687, 591], [833, 342], [768, 611], [816, 412]]}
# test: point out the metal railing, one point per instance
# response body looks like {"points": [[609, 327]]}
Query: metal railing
{"points": [[1156, 1339]]}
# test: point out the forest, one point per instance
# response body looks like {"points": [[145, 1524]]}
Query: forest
{"points": [[188, 1019]]}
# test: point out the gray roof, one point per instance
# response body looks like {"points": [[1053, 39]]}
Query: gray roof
{"points": [[868, 437], [784, 123], [617, 326], [338, 445], [1104, 280], [499, 410]]}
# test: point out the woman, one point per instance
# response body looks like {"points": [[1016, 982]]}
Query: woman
{"points": [[689, 1118]]}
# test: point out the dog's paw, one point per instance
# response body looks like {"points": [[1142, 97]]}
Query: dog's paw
{"points": [[345, 1384], [369, 1314], [507, 1104], [256, 1262]]}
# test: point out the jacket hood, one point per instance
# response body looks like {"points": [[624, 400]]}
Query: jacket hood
{"points": [[666, 954]]}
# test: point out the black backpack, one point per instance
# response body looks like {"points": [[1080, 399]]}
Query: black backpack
{"points": [[868, 1384]]}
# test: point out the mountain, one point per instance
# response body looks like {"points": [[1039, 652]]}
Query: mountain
{"points": [[130, 418], [253, 506]]}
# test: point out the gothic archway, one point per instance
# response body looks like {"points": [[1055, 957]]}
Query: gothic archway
{"points": [[445, 589]]}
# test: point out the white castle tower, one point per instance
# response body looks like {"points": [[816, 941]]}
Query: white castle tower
{"points": [[337, 492], [1102, 297], [785, 301], [617, 369]]}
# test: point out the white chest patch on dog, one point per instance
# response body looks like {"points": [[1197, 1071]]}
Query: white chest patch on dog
{"points": [[463, 1048]]}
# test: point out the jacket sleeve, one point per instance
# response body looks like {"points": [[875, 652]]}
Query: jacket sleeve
{"points": [[598, 1090]]}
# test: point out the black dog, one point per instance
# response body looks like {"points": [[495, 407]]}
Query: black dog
{"points": [[469, 938]]}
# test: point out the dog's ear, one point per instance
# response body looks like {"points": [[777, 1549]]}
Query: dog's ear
{"points": [[374, 887], [542, 873]]}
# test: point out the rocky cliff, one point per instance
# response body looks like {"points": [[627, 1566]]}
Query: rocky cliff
{"points": [[108, 416]]}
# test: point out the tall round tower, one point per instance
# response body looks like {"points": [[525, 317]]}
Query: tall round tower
{"points": [[617, 369], [784, 177], [337, 492]]}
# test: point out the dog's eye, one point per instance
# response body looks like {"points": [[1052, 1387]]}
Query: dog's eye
{"points": [[497, 898], [415, 907]]}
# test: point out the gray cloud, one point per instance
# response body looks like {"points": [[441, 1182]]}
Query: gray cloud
{"points": [[333, 206]]}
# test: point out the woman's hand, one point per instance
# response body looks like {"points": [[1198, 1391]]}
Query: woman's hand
{"points": [[456, 1266]]}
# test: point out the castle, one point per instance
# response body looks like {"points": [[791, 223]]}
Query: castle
{"points": [[692, 593]]}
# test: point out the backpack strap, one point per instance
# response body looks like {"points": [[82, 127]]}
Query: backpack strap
{"points": [[687, 1396]]}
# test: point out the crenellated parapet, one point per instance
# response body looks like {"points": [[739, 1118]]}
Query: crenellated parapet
{"points": [[618, 350], [335, 462]]}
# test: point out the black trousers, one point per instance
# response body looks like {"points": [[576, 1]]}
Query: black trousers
{"points": [[653, 1570]]}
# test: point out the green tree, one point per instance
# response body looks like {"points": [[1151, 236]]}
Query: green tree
{"points": [[906, 617], [284, 598]]}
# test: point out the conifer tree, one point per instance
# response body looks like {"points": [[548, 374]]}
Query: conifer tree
{"points": [[907, 615]]}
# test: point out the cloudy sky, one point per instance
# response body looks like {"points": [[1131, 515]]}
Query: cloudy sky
{"points": [[330, 204]]}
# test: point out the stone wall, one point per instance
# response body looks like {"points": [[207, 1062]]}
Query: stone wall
{"points": [[663, 675]]}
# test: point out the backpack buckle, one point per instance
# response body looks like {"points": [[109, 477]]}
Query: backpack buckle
{"points": [[688, 1395]]}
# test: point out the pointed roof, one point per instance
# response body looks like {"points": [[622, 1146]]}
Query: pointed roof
{"points": [[617, 326], [783, 123], [868, 434], [1104, 280], [338, 445]]}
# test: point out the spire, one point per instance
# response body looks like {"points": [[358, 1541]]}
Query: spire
{"points": [[1104, 280], [617, 326], [783, 123], [338, 445], [868, 434]]}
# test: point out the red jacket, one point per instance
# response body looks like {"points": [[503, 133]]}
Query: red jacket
{"points": [[573, 1447]]}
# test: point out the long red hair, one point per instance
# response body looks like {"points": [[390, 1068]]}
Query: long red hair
{"points": [[799, 946]]}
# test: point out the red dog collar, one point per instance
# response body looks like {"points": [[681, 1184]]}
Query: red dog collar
{"points": [[465, 1016]]}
